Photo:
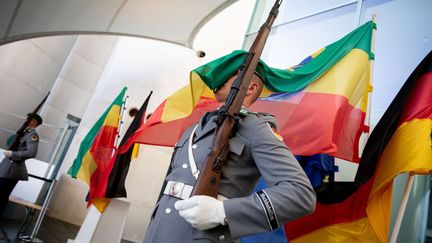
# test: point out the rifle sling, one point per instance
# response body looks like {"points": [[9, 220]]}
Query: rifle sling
{"points": [[192, 163]]}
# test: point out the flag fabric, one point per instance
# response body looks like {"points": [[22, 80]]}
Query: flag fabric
{"points": [[400, 143], [115, 186], [96, 150], [319, 168], [319, 104]]}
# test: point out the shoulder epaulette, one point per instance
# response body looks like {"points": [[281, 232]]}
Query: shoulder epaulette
{"points": [[244, 113], [260, 114]]}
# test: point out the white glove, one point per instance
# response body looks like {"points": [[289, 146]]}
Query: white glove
{"points": [[202, 212], [7, 153]]}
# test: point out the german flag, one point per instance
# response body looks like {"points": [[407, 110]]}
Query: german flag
{"points": [[119, 167], [400, 143], [96, 150], [319, 104]]}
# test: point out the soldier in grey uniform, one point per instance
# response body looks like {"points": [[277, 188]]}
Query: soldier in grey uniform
{"points": [[256, 150], [12, 167]]}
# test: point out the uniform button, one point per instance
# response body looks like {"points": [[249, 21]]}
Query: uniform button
{"points": [[184, 165], [194, 146], [168, 210], [221, 237]]}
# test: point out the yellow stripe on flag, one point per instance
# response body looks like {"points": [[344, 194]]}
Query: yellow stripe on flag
{"points": [[356, 231], [199, 88], [88, 166], [112, 117], [135, 151], [338, 79], [409, 150], [100, 203], [182, 102]]}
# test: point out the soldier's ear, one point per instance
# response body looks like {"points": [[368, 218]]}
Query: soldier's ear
{"points": [[252, 88]]}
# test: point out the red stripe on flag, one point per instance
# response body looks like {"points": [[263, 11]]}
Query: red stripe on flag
{"points": [[351, 209], [318, 123], [103, 146], [310, 123], [101, 151], [155, 132], [418, 105]]}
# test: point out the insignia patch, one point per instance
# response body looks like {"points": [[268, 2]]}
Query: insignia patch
{"points": [[34, 138], [273, 130]]}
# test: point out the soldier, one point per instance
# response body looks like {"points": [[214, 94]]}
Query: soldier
{"points": [[256, 150], [12, 167]]}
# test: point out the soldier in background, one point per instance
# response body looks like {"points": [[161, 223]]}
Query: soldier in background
{"points": [[12, 167]]}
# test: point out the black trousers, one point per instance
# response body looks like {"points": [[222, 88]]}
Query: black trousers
{"points": [[6, 188]]}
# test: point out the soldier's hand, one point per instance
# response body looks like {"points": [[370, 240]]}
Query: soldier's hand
{"points": [[7, 153], [202, 212]]}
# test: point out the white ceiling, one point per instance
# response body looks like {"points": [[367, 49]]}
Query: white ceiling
{"points": [[173, 21]]}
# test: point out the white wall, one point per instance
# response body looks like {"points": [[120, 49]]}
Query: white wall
{"points": [[28, 70], [72, 93]]}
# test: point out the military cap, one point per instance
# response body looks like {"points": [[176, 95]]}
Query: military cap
{"points": [[36, 117]]}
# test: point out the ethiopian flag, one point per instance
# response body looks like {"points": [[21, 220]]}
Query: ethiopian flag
{"points": [[319, 104], [96, 150], [359, 211]]}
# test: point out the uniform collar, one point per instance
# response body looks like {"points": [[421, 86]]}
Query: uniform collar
{"points": [[206, 127], [207, 124], [244, 111], [29, 129]]}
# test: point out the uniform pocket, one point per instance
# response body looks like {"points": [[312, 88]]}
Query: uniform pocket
{"points": [[178, 146], [236, 145]]}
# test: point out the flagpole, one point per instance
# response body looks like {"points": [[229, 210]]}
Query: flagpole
{"points": [[370, 89], [402, 208], [120, 124], [372, 65]]}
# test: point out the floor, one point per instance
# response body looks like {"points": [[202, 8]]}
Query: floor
{"points": [[51, 231]]}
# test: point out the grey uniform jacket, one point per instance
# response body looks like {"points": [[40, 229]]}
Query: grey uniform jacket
{"points": [[255, 151], [15, 168]]}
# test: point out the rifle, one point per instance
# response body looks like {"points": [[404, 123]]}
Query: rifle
{"points": [[20, 132], [209, 178]]}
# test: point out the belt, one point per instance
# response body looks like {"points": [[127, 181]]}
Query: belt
{"points": [[178, 190], [182, 191]]}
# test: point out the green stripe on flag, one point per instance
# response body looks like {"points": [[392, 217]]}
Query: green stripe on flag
{"points": [[218, 71]]}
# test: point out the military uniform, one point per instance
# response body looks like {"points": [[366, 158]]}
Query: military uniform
{"points": [[255, 151], [14, 169]]}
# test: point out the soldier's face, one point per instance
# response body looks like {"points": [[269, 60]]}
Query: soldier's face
{"points": [[221, 94], [33, 123]]}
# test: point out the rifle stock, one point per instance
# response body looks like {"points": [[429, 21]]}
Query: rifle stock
{"points": [[20, 132], [208, 181]]}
